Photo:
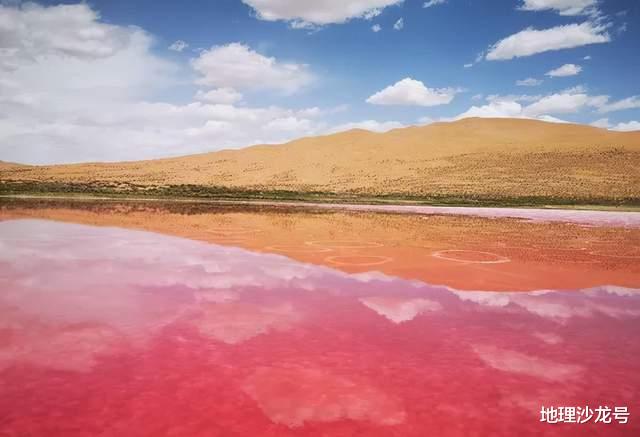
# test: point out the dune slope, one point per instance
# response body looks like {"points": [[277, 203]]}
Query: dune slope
{"points": [[498, 158]]}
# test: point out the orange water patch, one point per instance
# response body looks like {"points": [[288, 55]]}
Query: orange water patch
{"points": [[345, 244], [542, 255], [358, 260], [470, 256], [292, 248]]}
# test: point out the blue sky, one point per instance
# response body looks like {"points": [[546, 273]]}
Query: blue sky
{"points": [[99, 81]]}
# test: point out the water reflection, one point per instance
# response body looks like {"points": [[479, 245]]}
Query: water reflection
{"points": [[465, 252], [155, 334], [293, 395], [398, 309]]}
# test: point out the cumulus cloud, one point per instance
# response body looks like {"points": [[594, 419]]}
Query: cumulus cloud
{"points": [[431, 3], [632, 102], [563, 7], [602, 123], [496, 109], [88, 92], [141, 130], [565, 70], [178, 46], [623, 127], [532, 41], [628, 126], [412, 92], [562, 103], [237, 66], [536, 107], [399, 25], [376, 28], [370, 125], [29, 32], [530, 81], [226, 96], [513, 98], [305, 14]]}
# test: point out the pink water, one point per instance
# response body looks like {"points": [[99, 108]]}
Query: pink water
{"points": [[584, 217], [114, 332]]}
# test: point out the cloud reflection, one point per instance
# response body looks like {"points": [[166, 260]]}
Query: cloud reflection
{"points": [[294, 395], [520, 363], [93, 289], [398, 309]]}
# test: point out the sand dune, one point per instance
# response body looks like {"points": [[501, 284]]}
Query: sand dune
{"points": [[470, 157]]}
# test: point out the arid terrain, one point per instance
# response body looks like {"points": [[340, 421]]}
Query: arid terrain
{"points": [[467, 159]]}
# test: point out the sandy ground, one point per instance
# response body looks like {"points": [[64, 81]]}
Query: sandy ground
{"points": [[501, 158]]}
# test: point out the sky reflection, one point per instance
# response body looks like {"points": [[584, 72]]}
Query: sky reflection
{"points": [[156, 334]]}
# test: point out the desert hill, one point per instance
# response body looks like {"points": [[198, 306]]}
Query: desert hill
{"points": [[497, 158]]}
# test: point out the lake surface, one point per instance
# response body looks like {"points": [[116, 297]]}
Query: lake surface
{"points": [[149, 319]]}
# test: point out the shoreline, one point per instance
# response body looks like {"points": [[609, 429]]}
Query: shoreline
{"points": [[598, 215], [335, 202], [101, 190]]}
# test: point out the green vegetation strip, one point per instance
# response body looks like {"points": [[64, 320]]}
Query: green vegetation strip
{"points": [[200, 192]]}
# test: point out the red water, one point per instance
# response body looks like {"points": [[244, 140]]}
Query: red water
{"points": [[113, 332]]}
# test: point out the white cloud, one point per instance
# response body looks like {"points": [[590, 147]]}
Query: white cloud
{"points": [[532, 41], [602, 122], [178, 46], [563, 7], [304, 14], [237, 66], [30, 32], [88, 94], [539, 107], [289, 124], [565, 70], [376, 28], [623, 127], [373, 13], [551, 119], [370, 125], [632, 102], [141, 130], [399, 25], [587, 58], [530, 81], [563, 103], [432, 3], [626, 127], [412, 92], [622, 28], [496, 109], [513, 98], [226, 96], [468, 65]]}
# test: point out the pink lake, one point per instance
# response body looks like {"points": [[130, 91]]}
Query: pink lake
{"points": [[112, 331]]}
